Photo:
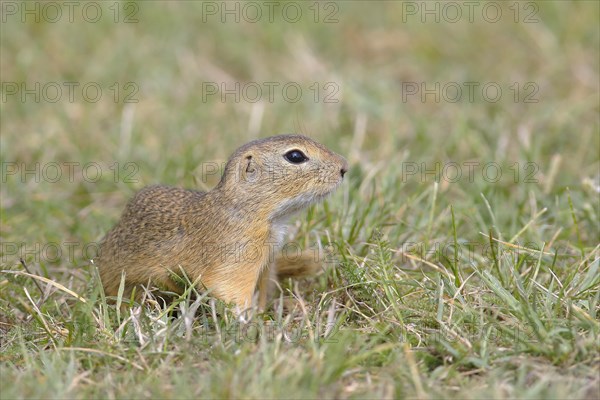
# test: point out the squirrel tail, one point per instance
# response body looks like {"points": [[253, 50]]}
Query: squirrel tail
{"points": [[296, 267]]}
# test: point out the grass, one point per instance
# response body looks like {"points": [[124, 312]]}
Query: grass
{"points": [[441, 286]]}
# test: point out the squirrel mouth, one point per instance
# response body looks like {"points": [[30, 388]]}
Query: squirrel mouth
{"points": [[299, 203], [304, 200]]}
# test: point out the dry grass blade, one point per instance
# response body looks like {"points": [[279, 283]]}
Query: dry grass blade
{"points": [[48, 281], [104, 353]]}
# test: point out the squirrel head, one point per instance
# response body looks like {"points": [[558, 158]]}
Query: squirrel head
{"points": [[280, 175]]}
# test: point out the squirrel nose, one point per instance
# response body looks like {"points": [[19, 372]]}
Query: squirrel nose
{"points": [[344, 168]]}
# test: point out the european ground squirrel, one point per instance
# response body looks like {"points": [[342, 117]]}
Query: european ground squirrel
{"points": [[228, 238]]}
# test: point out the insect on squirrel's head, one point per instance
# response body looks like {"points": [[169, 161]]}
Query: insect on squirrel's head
{"points": [[285, 173]]}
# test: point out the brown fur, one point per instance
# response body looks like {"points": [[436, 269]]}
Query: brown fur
{"points": [[228, 238]]}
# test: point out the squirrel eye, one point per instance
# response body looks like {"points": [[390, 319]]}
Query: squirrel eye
{"points": [[295, 157]]}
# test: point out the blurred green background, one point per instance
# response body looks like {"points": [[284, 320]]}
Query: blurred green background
{"points": [[364, 57]]}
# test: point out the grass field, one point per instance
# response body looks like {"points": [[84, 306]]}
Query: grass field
{"points": [[463, 247]]}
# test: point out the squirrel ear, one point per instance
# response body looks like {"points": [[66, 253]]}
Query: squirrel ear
{"points": [[250, 165], [250, 169]]}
